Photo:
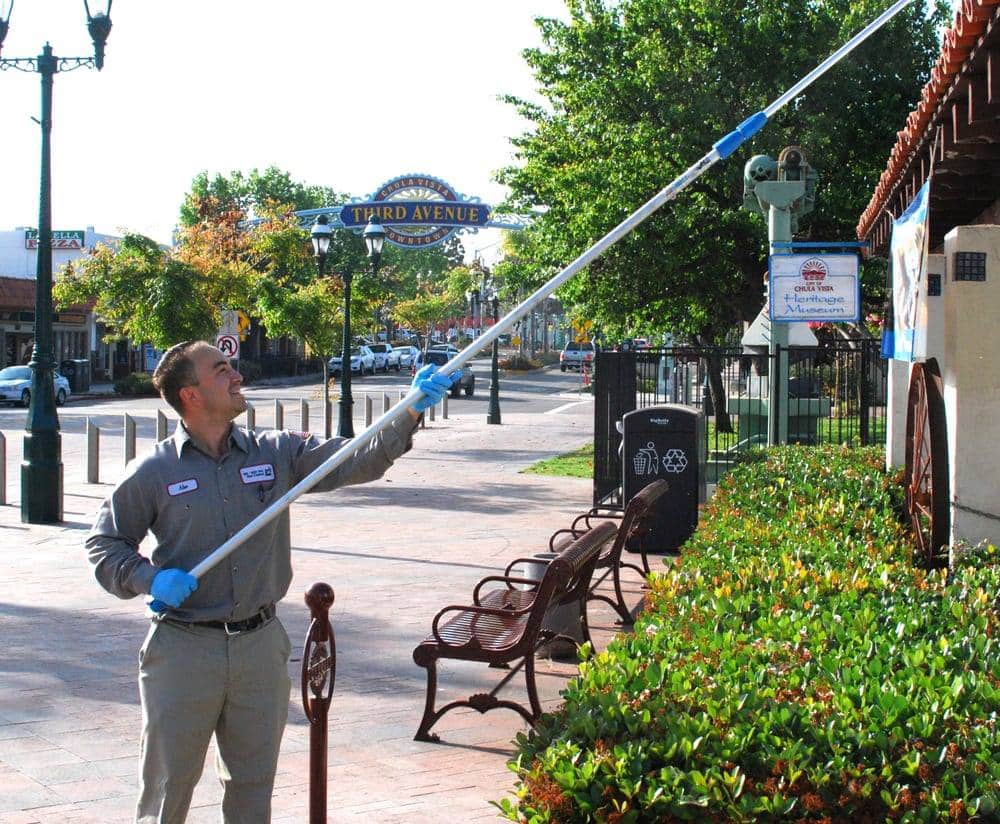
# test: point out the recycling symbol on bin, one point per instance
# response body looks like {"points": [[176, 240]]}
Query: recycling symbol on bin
{"points": [[674, 461]]}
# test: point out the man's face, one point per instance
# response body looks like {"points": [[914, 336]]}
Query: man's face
{"points": [[219, 386]]}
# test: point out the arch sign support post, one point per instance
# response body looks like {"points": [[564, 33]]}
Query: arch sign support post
{"points": [[720, 150]]}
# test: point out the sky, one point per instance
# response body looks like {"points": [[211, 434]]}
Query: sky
{"points": [[342, 94]]}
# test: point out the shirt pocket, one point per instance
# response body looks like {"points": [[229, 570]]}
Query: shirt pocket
{"points": [[265, 492]]}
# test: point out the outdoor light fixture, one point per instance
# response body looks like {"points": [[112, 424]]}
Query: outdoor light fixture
{"points": [[6, 7], [42, 469], [99, 26], [321, 234], [374, 236]]}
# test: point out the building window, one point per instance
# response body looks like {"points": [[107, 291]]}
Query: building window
{"points": [[970, 266]]}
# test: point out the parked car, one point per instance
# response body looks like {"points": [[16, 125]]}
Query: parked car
{"points": [[15, 386], [407, 353], [575, 355], [362, 361], [439, 357], [386, 356]]}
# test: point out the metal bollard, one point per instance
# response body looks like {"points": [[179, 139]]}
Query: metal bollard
{"points": [[93, 453], [431, 411], [319, 671], [444, 407], [161, 426], [279, 414], [386, 402], [369, 412], [251, 417], [3, 469], [129, 438], [304, 414]]}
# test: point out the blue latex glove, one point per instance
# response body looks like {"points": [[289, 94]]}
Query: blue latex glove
{"points": [[433, 384], [170, 588]]}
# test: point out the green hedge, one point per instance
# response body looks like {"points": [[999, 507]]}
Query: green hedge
{"points": [[136, 384], [794, 665]]}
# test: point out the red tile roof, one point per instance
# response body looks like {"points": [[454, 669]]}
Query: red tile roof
{"points": [[972, 20]]}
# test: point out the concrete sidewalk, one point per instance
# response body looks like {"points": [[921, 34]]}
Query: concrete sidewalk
{"points": [[395, 551]]}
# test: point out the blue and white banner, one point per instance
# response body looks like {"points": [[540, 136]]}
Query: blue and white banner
{"points": [[908, 259]]}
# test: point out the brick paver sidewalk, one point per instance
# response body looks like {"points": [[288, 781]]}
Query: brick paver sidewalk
{"points": [[450, 512]]}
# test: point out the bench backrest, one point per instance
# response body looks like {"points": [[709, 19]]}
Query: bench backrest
{"points": [[637, 520], [567, 576]]}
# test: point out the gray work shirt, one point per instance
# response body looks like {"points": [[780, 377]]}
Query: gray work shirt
{"points": [[192, 503]]}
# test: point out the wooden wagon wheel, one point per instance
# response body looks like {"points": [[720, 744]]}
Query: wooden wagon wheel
{"points": [[927, 498]]}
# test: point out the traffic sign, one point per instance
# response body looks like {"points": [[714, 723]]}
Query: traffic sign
{"points": [[228, 345]]}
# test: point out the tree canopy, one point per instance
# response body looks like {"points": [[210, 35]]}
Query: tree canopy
{"points": [[636, 90]]}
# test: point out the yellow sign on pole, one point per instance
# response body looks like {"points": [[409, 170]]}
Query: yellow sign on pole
{"points": [[582, 328]]}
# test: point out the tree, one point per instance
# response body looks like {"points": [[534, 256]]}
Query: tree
{"points": [[636, 90], [310, 313], [144, 292]]}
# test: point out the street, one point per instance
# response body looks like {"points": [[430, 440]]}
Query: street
{"points": [[542, 392]]}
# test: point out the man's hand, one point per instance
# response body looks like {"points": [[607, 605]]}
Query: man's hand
{"points": [[433, 384], [170, 588]]}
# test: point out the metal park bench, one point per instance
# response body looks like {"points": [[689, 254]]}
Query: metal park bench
{"points": [[634, 526], [506, 624]]}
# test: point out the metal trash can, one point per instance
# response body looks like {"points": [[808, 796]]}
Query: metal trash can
{"points": [[666, 442], [77, 372]]}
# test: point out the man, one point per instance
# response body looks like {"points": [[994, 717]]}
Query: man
{"points": [[215, 658]]}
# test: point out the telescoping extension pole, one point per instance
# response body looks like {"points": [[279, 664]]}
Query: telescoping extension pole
{"points": [[721, 149]]}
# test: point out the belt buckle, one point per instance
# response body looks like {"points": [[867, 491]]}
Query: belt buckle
{"points": [[233, 632]]}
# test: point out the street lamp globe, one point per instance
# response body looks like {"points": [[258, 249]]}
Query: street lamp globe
{"points": [[374, 236], [320, 234], [99, 26]]}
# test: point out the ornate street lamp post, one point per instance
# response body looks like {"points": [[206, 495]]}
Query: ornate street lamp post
{"points": [[374, 236], [41, 469], [493, 416]]}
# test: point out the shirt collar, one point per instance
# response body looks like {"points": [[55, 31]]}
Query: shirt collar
{"points": [[237, 437]]}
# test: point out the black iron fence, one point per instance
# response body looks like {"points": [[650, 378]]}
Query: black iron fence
{"points": [[836, 394]]}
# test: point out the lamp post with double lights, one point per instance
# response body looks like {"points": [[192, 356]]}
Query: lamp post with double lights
{"points": [[374, 236], [493, 416], [41, 469]]}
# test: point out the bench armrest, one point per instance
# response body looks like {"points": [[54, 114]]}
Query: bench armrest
{"points": [[504, 579], [573, 532], [497, 613], [517, 561]]}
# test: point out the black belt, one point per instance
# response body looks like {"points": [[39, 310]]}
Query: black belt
{"points": [[256, 620]]}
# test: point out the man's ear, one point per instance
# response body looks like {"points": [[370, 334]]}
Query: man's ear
{"points": [[189, 396]]}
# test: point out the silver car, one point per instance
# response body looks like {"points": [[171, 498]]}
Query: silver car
{"points": [[15, 386]]}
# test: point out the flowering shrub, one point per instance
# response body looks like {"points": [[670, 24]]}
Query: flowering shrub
{"points": [[793, 665]]}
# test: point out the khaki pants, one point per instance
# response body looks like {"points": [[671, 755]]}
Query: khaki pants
{"points": [[195, 681]]}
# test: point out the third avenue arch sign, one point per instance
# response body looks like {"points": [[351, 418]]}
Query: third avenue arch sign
{"points": [[416, 210]]}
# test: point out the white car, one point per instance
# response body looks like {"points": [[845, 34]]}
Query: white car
{"points": [[15, 386], [407, 354], [362, 361], [386, 356]]}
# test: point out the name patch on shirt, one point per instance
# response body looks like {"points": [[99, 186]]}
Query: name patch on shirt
{"points": [[260, 473], [181, 487]]}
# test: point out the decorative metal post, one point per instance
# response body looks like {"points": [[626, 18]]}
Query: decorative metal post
{"points": [[494, 413], [42, 469], [319, 671], [345, 425]]}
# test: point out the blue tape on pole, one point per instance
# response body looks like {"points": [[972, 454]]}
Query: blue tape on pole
{"points": [[747, 129]]}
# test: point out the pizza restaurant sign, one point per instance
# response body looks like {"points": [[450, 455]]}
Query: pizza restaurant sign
{"points": [[820, 288], [417, 210], [61, 239]]}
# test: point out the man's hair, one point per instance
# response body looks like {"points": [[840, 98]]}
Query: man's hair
{"points": [[175, 371]]}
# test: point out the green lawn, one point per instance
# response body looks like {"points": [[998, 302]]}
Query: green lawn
{"points": [[576, 464]]}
